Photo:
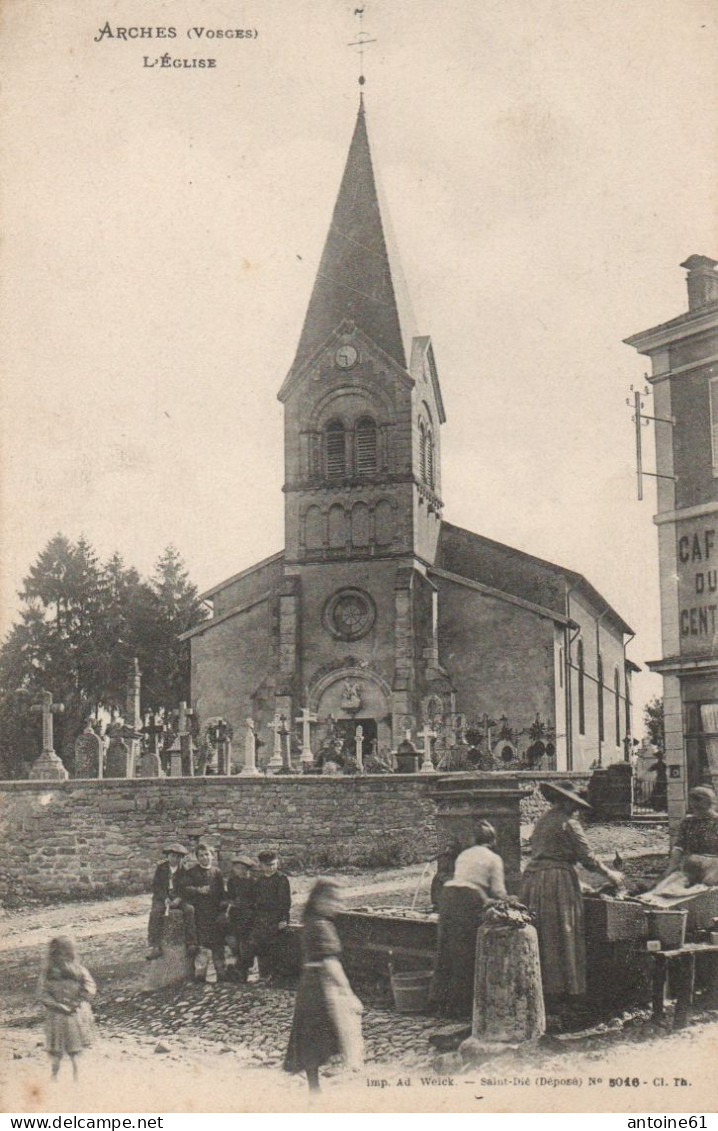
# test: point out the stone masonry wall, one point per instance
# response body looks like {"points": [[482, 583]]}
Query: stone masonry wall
{"points": [[102, 837], [79, 839]]}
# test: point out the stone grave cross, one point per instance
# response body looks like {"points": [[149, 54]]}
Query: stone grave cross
{"points": [[427, 766], [287, 735], [185, 739], [223, 748], [153, 728], [48, 766], [276, 762], [250, 751], [306, 719], [149, 764], [359, 748]]}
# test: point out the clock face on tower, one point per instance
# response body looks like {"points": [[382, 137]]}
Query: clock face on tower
{"points": [[346, 357]]}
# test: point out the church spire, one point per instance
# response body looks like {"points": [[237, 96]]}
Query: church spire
{"points": [[354, 280]]}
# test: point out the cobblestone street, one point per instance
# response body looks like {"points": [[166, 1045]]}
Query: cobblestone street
{"points": [[221, 1047]]}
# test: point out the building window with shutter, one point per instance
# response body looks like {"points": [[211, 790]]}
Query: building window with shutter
{"points": [[617, 693], [599, 682], [336, 449], [365, 446], [713, 387], [581, 690]]}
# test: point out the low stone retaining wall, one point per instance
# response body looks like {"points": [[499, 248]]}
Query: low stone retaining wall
{"points": [[84, 838]]}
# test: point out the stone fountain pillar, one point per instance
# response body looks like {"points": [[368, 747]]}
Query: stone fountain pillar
{"points": [[462, 800]]}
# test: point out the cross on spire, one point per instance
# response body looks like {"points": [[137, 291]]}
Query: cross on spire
{"points": [[362, 40]]}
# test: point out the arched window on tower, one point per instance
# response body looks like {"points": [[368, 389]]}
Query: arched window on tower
{"points": [[335, 449], [581, 689], [422, 451], [365, 446], [429, 478]]}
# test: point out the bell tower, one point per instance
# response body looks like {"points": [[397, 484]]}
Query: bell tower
{"points": [[363, 407]]}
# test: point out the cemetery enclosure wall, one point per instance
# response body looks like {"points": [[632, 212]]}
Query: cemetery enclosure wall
{"points": [[85, 838], [82, 837]]}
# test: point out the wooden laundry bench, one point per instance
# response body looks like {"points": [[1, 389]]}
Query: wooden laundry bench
{"points": [[680, 965]]}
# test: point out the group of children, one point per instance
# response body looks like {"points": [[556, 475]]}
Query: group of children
{"points": [[248, 912]]}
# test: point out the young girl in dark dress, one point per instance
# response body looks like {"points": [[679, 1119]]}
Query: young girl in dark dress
{"points": [[327, 1014], [65, 989]]}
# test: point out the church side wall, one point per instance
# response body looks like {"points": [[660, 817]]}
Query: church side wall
{"points": [[228, 664], [500, 656], [248, 588], [597, 635]]}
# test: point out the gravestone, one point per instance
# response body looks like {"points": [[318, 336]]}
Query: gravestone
{"points": [[428, 734], [89, 749], [175, 965], [276, 762], [250, 751], [184, 734], [48, 766], [306, 719], [119, 757], [175, 755], [149, 765]]}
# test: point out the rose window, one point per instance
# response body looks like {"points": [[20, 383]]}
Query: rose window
{"points": [[349, 614]]}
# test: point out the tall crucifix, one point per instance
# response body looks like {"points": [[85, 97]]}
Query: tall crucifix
{"points": [[48, 765]]}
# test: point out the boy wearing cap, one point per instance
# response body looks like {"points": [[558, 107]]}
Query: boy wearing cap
{"points": [[242, 895], [168, 895], [271, 915]]}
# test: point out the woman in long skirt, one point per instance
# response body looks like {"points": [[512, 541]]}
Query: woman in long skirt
{"points": [[327, 1014], [550, 889], [478, 881], [65, 989]]}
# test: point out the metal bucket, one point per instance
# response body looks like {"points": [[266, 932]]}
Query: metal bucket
{"points": [[669, 927], [411, 990]]}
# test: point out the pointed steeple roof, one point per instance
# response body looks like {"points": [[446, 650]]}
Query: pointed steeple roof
{"points": [[354, 279]]}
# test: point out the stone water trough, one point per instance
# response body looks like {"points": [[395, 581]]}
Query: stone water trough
{"points": [[408, 937], [618, 974]]}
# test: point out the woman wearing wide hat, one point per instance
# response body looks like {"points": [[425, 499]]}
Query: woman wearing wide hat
{"points": [[550, 889]]}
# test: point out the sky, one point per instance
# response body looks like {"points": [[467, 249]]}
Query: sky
{"points": [[547, 165]]}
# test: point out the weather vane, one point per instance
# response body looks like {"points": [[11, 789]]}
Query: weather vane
{"points": [[362, 40]]}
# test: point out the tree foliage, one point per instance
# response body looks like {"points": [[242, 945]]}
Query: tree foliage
{"points": [[653, 719], [81, 623]]}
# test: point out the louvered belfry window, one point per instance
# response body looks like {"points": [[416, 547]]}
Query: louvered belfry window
{"points": [[429, 459], [365, 446], [422, 452], [336, 449]]}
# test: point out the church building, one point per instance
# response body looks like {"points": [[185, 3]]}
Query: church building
{"points": [[378, 613]]}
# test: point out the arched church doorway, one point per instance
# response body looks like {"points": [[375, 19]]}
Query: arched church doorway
{"points": [[347, 730], [349, 698]]}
